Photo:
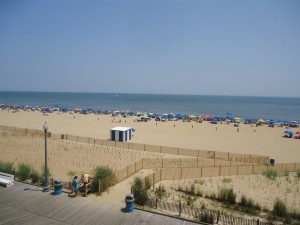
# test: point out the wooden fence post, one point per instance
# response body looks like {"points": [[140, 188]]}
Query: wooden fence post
{"points": [[160, 174], [214, 158], [153, 174], [180, 209], [201, 170], [99, 188], [218, 217], [180, 172], [257, 222], [156, 203], [85, 191]]}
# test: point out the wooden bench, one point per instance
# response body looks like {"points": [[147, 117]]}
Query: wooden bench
{"points": [[7, 179]]}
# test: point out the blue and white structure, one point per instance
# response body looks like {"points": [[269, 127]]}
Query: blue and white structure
{"points": [[121, 134]]}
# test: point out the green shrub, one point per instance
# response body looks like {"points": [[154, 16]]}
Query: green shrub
{"points": [[226, 180], [271, 174], [279, 209], [137, 183], [227, 196], [298, 173], [140, 193], [190, 201], [6, 167], [193, 191], [23, 172], [286, 173], [207, 217], [199, 181], [34, 176], [160, 192], [244, 201], [248, 205], [106, 175], [295, 215]]}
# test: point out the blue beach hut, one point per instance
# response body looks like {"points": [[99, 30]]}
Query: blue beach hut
{"points": [[121, 134]]}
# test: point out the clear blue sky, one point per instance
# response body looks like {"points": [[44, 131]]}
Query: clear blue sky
{"points": [[219, 47]]}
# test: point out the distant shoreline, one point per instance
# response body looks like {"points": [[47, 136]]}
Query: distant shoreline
{"points": [[133, 93], [243, 107]]}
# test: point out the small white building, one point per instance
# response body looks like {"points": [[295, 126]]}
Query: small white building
{"points": [[121, 134]]}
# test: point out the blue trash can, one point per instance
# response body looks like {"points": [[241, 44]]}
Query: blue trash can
{"points": [[272, 162], [129, 203], [57, 187]]}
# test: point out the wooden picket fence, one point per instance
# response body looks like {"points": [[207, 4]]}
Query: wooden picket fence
{"points": [[219, 217]]}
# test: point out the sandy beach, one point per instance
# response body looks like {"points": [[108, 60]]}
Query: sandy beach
{"points": [[260, 140], [66, 156]]}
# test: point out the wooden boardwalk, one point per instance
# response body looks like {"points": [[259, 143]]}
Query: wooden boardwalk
{"points": [[27, 204]]}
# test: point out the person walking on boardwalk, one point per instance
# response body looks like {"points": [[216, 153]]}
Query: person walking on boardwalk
{"points": [[75, 185]]}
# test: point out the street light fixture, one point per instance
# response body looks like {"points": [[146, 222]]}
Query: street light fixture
{"points": [[46, 187]]}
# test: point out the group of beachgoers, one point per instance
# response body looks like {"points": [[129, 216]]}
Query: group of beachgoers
{"points": [[147, 116]]}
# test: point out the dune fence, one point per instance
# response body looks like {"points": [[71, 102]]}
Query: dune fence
{"points": [[178, 173], [218, 217], [225, 156]]}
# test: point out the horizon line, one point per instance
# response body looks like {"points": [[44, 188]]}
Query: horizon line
{"points": [[92, 92]]}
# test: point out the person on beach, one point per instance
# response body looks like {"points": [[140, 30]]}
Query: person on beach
{"points": [[85, 178], [75, 185]]}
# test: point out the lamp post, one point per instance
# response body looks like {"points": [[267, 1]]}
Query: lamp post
{"points": [[46, 187]]}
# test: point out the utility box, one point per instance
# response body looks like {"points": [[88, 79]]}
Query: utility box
{"points": [[121, 134]]}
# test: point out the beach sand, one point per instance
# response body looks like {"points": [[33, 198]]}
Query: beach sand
{"points": [[261, 140], [66, 156]]}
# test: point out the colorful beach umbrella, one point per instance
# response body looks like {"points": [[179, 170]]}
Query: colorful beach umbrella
{"points": [[288, 133], [171, 116], [179, 116]]}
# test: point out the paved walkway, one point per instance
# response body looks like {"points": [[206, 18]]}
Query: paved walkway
{"points": [[26, 204]]}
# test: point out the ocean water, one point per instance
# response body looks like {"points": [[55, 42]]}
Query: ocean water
{"points": [[244, 107]]}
